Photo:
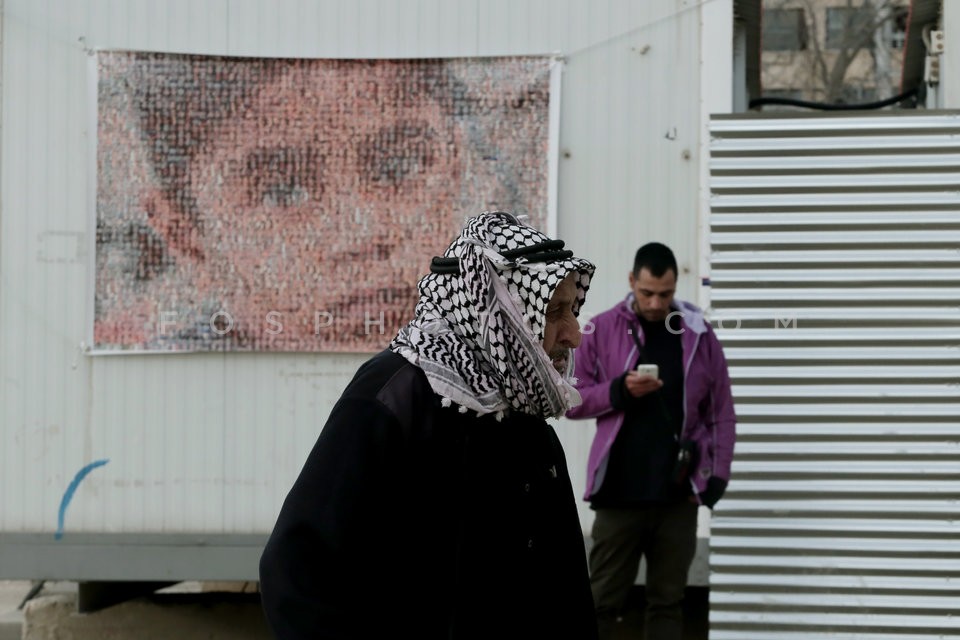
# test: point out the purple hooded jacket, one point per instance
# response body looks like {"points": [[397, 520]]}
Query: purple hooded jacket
{"points": [[709, 419]]}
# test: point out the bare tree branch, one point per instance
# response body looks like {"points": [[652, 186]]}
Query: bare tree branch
{"points": [[832, 62]]}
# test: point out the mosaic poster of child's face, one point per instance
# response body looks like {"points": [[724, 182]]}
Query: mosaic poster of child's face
{"points": [[292, 205]]}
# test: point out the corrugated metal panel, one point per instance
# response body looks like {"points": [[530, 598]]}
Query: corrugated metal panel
{"points": [[211, 442], [836, 284]]}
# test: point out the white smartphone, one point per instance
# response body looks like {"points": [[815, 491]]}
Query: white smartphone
{"points": [[648, 370]]}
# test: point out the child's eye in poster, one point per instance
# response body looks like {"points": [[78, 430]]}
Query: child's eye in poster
{"points": [[292, 205]]}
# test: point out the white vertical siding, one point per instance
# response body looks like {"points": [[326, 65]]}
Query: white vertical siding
{"points": [[835, 251], [211, 442], [631, 79]]}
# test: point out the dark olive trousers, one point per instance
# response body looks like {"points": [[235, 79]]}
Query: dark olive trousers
{"points": [[667, 537]]}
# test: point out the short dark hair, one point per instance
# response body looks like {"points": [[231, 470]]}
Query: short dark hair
{"points": [[657, 258]]}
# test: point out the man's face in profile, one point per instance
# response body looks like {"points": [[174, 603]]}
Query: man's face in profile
{"points": [[561, 331], [311, 197]]}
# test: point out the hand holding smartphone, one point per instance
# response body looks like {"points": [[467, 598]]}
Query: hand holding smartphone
{"points": [[648, 370], [643, 380]]}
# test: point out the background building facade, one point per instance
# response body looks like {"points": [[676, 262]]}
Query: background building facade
{"points": [[834, 51]]}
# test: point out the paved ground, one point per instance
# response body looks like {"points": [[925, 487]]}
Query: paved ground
{"points": [[186, 611], [186, 606], [12, 594], [695, 609]]}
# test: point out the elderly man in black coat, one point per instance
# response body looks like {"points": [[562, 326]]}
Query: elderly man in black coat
{"points": [[436, 502]]}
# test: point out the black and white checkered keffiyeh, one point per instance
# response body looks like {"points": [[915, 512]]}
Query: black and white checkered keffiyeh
{"points": [[478, 328]]}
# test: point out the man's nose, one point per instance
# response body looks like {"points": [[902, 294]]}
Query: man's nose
{"points": [[572, 339]]}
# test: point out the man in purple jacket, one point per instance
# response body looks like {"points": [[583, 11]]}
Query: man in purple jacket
{"points": [[664, 442]]}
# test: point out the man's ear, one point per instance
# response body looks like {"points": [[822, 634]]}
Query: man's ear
{"points": [[180, 235], [631, 279]]}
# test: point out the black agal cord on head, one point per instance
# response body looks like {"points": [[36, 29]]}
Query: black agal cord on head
{"points": [[548, 251]]}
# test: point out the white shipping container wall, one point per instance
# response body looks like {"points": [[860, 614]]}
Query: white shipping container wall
{"points": [[211, 442]]}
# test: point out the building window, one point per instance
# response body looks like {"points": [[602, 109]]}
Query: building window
{"points": [[784, 30], [850, 27], [792, 94], [856, 94], [898, 28]]}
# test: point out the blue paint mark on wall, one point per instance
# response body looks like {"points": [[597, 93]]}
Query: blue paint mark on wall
{"points": [[68, 494]]}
